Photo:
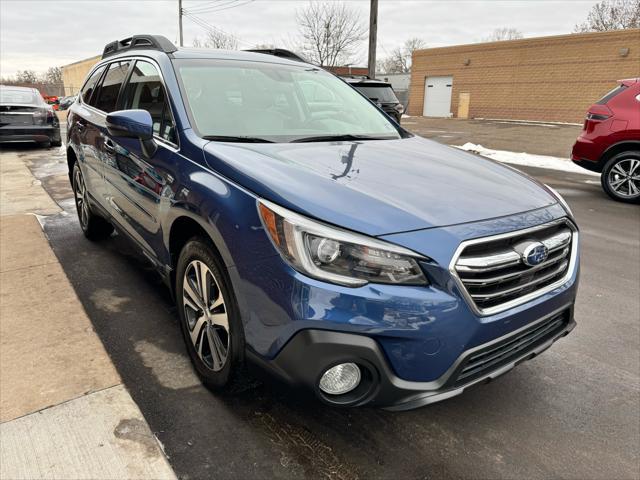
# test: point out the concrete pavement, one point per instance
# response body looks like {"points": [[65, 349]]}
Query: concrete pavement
{"points": [[64, 412]]}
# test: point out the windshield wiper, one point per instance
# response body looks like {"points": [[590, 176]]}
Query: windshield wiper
{"points": [[338, 138], [236, 139]]}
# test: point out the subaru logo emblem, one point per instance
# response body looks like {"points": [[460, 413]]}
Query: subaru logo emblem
{"points": [[534, 254]]}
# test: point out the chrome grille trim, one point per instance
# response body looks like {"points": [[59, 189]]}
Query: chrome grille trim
{"points": [[563, 250]]}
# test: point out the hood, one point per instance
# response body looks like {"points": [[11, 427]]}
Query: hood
{"points": [[379, 187]]}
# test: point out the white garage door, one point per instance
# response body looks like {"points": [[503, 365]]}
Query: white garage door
{"points": [[437, 96]]}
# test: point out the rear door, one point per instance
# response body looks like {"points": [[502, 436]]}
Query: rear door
{"points": [[81, 118], [140, 187], [103, 101]]}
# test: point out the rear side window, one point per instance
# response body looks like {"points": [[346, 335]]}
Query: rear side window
{"points": [[90, 86], [108, 92], [616, 91], [145, 91]]}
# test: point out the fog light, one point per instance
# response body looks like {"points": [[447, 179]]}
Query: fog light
{"points": [[340, 379]]}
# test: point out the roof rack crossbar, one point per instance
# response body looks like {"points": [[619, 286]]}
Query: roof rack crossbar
{"points": [[151, 42], [279, 52]]}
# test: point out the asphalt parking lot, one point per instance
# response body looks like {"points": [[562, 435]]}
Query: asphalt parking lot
{"points": [[573, 412]]}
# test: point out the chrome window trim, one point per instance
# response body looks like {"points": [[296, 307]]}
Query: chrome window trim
{"points": [[525, 298], [175, 147]]}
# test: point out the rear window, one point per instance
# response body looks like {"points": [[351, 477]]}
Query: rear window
{"points": [[19, 97], [382, 93], [616, 91]]}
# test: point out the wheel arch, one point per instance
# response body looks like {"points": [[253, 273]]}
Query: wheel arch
{"points": [[617, 148], [72, 158], [185, 226]]}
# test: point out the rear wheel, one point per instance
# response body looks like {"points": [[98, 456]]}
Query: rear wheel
{"points": [[93, 226], [209, 316], [621, 177]]}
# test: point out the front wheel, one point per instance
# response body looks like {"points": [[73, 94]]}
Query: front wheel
{"points": [[621, 177], [209, 316]]}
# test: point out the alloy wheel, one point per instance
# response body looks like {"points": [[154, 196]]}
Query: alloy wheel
{"points": [[206, 315], [624, 178], [82, 206]]}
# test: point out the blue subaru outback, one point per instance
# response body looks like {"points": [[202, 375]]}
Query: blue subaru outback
{"points": [[305, 234]]}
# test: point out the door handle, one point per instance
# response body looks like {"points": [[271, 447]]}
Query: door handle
{"points": [[109, 146]]}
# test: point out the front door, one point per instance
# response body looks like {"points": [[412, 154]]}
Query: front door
{"points": [[140, 186], [437, 96]]}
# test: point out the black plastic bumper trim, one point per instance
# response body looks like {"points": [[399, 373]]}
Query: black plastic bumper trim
{"points": [[304, 359]]}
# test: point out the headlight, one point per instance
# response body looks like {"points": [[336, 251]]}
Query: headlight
{"points": [[399, 108], [560, 199], [336, 255]]}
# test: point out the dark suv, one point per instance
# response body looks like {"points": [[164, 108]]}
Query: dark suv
{"points": [[379, 92], [305, 234]]}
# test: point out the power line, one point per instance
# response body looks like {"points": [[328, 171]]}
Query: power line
{"points": [[207, 26], [218, 4], [222, 6]]}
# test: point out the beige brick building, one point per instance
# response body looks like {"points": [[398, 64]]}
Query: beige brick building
{"points": [[548, 78], [74, 74]]}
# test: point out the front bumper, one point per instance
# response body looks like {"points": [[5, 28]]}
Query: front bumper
{"points": [[310, 353]]}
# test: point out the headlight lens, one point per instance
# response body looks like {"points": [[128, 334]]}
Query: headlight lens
{"points": [[335, 255], [560, 199], [399, 108]]}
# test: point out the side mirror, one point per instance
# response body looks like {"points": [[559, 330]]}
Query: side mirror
{"points": [[133, 124]]}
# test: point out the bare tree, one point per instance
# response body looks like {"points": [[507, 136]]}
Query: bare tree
{"points": [[26, 76], [503, 33], [330, 32], [400, 59], [53, 75], [611, 15], [217, 39]]}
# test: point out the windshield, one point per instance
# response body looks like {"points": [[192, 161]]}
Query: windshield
{"points": [[19, 96], [277, 103], [378, 93]]}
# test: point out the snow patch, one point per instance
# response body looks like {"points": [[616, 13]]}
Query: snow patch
{"points": [[526, 159]]}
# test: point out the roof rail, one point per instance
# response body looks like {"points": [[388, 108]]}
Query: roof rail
{"points": [[279, 52], [149, 42]]}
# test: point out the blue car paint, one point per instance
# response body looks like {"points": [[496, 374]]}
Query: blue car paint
{"points": [[135, 123], [412, 192], [409, 183]]}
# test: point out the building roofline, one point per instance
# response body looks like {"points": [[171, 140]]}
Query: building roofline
{"points": [[519, 41], [96, 58]]}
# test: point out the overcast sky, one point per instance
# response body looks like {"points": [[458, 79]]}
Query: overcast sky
{"points": [[38, 34]]}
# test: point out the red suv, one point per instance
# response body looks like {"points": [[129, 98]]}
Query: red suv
{"points": [[610, 141]]}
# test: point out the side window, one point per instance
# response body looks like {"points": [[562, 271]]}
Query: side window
{"points": [[146, 92], [90, 85], [108, 92]]}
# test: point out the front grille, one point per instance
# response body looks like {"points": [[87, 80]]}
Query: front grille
{"points": [[493, 272], [494, 356]]}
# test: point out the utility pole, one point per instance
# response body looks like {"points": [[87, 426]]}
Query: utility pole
{"points": [[180, 22], [373, 37]]}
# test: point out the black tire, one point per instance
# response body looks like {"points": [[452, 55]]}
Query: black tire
{"points": [[93, 226], [56, 143], [229, 376], [621, 177], [46, 144]]}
